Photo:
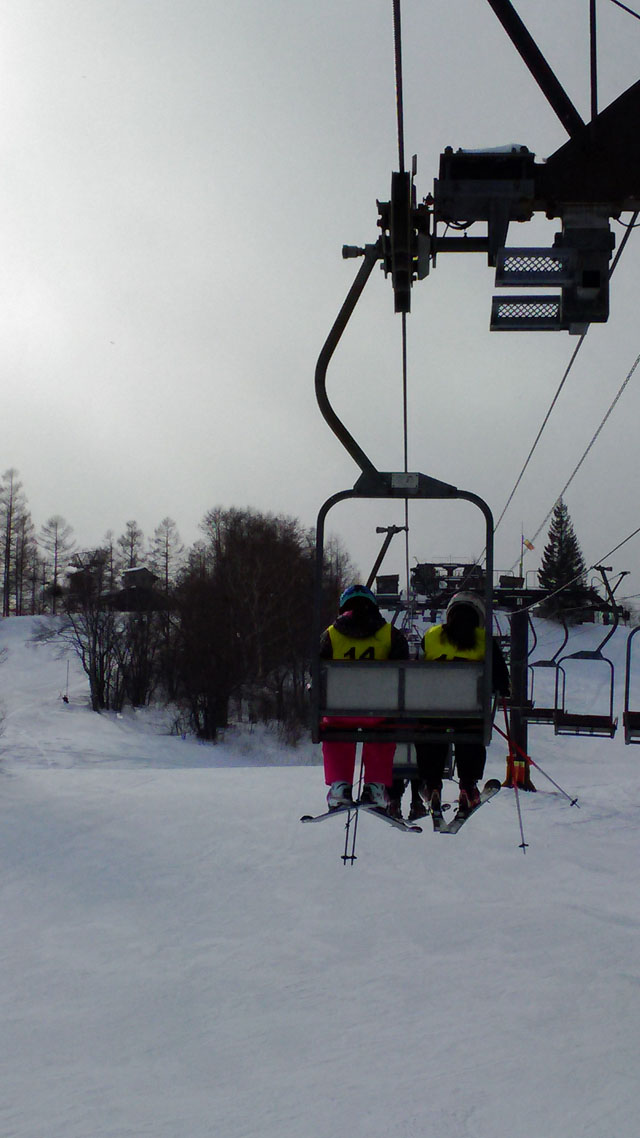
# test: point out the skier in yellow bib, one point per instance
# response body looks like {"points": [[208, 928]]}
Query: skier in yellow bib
{"points": [[359, 632], [461, 637]]}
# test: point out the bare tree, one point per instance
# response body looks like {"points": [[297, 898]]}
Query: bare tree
{"points": [[110, 567], [57, 540], [131, 545], [36, 578], [245, 615], [95, 630], [12, 504], [165, 552], [25, 548], [166, 557]]}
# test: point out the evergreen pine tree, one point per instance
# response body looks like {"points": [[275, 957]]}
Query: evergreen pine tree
{"points": [[562, 562]]}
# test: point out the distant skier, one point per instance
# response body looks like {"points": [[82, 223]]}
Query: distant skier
{"points": [[461, 637], [359, 632]]}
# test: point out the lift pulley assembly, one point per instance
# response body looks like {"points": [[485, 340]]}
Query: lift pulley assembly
{"points": [[593, 177]]}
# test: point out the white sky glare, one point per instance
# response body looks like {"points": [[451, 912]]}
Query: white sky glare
{"points": [[178, 179]]}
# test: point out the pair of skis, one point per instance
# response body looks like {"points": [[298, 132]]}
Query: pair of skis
{"points": [[489, 789], [353, 807]]}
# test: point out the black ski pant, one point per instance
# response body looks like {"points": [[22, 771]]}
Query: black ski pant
{"points": [[398, 787], [470, 761]]}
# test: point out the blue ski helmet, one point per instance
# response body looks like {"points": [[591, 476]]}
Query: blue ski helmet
{"points": [[353, 592]]}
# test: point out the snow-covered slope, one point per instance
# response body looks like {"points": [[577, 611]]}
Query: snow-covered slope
{"points": [[180, 957]]}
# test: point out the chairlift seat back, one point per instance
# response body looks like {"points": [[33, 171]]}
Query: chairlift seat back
{"points": [[566, 723], [631, 721], [428, 699], [403, 688]]}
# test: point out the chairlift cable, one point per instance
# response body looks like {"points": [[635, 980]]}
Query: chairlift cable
{"points": [[628, 226], [405, 427], [397, 42], [593, 440], [555, 400], [593, 58], [567, 584], [544, 423], [615, 549]]}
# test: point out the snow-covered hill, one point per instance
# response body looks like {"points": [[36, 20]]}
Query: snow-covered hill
{"points": [[180, 957]]}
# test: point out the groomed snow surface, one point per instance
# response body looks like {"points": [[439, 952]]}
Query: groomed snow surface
{"points": [[181, 958]]}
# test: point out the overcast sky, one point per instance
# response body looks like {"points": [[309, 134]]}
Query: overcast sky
{"points": [[178, 178]]}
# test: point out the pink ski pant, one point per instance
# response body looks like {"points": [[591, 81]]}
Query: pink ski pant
{"points": [[340, 758]]}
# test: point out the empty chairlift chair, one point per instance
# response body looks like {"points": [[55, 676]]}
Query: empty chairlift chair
{"points": [[570, 722], [544, 712], [602, 722]]}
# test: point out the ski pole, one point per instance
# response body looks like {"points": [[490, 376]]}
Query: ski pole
{"points": [[573, 801], [350, 830], [523, 843], [351, 825]]}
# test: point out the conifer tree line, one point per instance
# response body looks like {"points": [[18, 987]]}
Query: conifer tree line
{"points": [[563, 573], [562, 567], [218, 629]]}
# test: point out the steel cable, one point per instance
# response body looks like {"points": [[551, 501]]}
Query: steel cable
{"points": [[586, 452], [397, 41], [564, 379]]}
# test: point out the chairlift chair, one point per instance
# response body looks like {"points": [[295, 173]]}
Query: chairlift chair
{"points": [[417, 700], [584, 723], [431, 700], [542, 714], [587, 723], [573, 723]]}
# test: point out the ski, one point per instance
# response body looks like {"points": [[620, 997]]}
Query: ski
{"points": [[438, 820], [437, 816], [328, 813], [399, 823], [378, 810], [457, 822]]}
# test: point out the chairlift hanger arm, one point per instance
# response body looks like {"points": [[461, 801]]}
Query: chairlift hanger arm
{"points": [[602, 570], [552, 661], [372, 482], [623, 573], [390, 532], [372, 254]]}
